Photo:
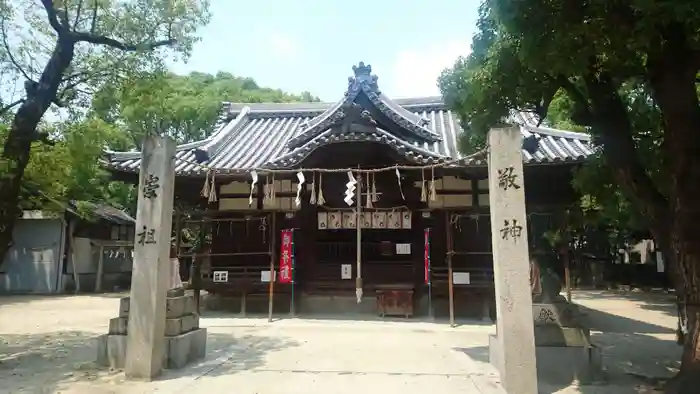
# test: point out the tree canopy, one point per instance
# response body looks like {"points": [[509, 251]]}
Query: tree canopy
{"points": [[623, 71], [55, 54], [69, 168], [184, 107]]}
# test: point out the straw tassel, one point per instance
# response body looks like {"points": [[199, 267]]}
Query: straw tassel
{"points": [[398, 180], [205, 188], [320, 199], [267, 190], [369, 190], [254, 181], [212, 188], [375, 195], [433, 192], [312, 197], [273, 191], [423, 191]]}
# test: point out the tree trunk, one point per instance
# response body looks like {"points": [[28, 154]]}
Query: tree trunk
{"points": [[672, 74], [23, 132]]}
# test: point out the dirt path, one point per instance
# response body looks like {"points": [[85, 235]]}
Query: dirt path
{"points": [[47, 346]]}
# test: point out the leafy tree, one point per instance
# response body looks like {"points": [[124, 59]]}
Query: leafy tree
{"points": [[69, 169], [626, 72], [60, 51], [186, 107]]}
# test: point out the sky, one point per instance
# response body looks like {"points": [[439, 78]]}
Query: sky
{"points": [[311, 45]]}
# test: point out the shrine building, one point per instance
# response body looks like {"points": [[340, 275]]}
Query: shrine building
{"points": [[280, 170]]}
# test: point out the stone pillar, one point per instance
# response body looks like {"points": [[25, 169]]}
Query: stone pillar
{"points": [[150, 276], [515, 343]]}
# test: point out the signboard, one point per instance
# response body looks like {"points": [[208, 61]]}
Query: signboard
{"points": [[403, 248], [461, 278], [265, 276], [322, 220], [426, 254], [219, 276], [346, 271], [286, 256]]}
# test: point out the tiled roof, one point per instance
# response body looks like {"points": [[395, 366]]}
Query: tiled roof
{"points": [[282, 135]]}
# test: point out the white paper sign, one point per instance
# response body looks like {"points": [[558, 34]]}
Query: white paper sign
{"points": [[403, 248], [265, 276], [335, 220], [322, 220], [461, 278], [346, 271], [220, 276], [348, 219], [393, 220]]}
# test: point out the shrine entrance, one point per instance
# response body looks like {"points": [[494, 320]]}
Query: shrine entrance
{"points": [[390, 235]]}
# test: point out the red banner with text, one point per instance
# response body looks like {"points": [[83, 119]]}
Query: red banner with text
{"points": [[426, 255], [286, 256]]}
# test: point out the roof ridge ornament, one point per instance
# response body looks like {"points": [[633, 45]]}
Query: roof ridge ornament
{"points": [[363, 76]]}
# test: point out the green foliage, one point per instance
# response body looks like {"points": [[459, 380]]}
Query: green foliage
{"points": [[113, 40], [69, 168], [183, 107], [568, 64]]}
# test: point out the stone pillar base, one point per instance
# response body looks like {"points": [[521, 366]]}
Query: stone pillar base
{"points": [[185, 341], [180, 349], [559, 363]]}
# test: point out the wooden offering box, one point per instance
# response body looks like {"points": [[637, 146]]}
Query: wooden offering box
{"points": [[395, 300]]}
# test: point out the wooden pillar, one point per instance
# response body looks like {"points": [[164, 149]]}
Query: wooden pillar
{"points": [[100, 268], [450, 253], [271, 249]]}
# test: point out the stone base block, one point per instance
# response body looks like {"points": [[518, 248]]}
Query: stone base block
{"points": [[186, 348], [180, 350], [179, 306], [552, 335], [560, 313], [118, 326], [111, 351], [559, 364], [124, 305], [180, 325]]}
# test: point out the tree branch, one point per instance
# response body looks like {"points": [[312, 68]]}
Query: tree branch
{"points": [[53, 16], [128, 47], [10, 106], [583, 113], [12, 59], [78, 11], [93, 22]]}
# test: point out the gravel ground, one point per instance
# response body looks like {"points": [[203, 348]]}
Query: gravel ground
{"points": [[47, 346]]}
